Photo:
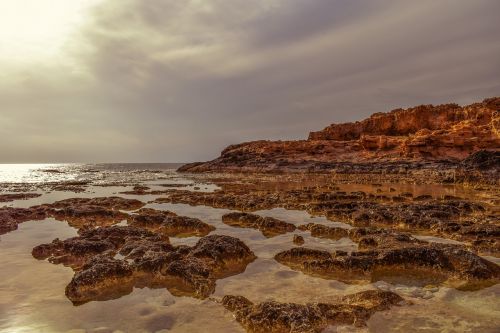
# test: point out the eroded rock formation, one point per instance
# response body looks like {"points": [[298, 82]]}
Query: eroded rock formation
{"points": [[17, 196], [169, 223], [91, 212], [393, 256], [269, 226], [447, 216], [388, 142], [275, 317], [10, 217], [110, 261]]}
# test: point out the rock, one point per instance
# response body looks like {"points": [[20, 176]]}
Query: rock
{"points": [[323, 231], [92, 212], [17, 196], [269, 226], [80, 216], [100, 279], [480, 167], [114, 203], [220, 199], [389, 255], [298, 240], [275, 317], [110, 261], [10, 217], [137, 190], [169, 223], [76, 251], [443, 134]]}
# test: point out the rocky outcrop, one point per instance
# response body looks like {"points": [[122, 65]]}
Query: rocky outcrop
{"points": [[114, 203], [447, 216], [110, 261], [275, 317], [269, 226], [10, 217], [323, 231], [17, 196], [75, 251], [169, 223], [424, 133], [393, 256], [92, 212], [480, 167]]}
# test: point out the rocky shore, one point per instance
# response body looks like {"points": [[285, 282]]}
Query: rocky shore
{"points": [[386, 210], [444, 143]]}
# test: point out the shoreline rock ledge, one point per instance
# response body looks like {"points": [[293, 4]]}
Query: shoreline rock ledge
{"points": [[425, 137]]}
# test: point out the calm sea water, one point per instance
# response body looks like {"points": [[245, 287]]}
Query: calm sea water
{"points": [[40, 173]]}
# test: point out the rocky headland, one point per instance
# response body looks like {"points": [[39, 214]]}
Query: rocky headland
{"points": [[448, 143]]}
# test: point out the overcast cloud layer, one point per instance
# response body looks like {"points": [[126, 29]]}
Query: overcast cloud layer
{"points": [[171, 81]]}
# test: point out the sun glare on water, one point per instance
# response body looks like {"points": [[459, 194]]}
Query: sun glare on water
{"points": [[33, 30]]}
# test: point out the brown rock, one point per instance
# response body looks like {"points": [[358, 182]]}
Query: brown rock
{"points": [[145, 259], [298, 240], [275, 317], [92, 212], [323, 231], [395, 257], [390, 142], [169, 223], [17, 196], [269, 226], [10, 217]]}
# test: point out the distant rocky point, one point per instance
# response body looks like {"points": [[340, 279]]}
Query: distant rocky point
{"points": [[440, 137]]}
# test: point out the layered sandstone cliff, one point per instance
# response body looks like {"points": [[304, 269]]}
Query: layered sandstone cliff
{"points": [[425, 134]]}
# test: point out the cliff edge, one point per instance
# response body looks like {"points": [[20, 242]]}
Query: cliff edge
{"points": [[414, 137]]}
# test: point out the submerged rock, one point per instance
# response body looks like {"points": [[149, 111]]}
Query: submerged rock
{"points": [[276, 317], [219, 199], [449, 217]]}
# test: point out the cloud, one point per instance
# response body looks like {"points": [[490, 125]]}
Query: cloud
{"points": [[177, 81]]}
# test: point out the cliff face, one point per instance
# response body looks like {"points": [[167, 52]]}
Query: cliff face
{"points": [[423, 133]]}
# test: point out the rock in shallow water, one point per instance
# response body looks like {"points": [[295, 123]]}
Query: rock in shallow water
{"points": [[169, 223], [276, 317], [395, 256], [269, 226], [148, 260]]}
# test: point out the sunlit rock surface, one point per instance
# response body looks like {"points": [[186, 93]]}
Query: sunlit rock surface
{"points": [[424, 138], [276, 317]]}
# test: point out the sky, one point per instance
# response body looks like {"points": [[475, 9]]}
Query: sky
{"points": [[177, 81]]}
